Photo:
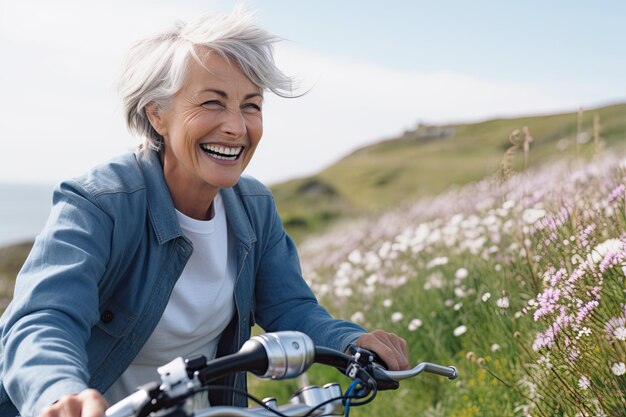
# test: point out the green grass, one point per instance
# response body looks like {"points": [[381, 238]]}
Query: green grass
{"points": [[381, 176]]}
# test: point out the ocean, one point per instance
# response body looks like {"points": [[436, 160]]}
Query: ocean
{"points": [[24, 209]]}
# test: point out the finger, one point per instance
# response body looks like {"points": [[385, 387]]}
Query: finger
{"points": [[94, 405], [378, 342], [402, 351]]}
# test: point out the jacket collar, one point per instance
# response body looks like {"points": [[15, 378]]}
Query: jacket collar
{"points": [[237, 217], [161, 207]]}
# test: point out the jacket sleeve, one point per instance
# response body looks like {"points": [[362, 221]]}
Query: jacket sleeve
{"points": [[284, 301], [55, 305]]}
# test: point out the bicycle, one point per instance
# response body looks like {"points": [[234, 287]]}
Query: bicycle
{"points": [[275, 356]]}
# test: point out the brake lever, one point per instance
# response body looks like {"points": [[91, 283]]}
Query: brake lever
{"points": [[375, 367]]}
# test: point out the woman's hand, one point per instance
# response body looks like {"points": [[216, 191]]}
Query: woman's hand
{"points": [[390, 347], [89, 403]]}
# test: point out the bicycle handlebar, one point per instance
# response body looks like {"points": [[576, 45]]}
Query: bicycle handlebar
{"points": [[272, 355]]}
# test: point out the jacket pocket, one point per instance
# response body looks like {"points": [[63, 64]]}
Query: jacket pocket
{"points": [[115, 320]]}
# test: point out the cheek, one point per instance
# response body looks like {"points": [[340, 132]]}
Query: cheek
{"points": [[255, 130]]}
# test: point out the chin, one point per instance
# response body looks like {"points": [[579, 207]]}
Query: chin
{"points": [[226, 182]]}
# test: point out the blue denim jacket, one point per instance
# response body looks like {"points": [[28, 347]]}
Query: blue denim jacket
{"points": [[100, 274]]}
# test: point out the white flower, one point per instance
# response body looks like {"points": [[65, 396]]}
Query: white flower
{"points": [[440, 260], [459, 330], [461, 273], [503, 302], [495, 347], [585, 331], [434, 281], [458, 306], [584, 383], [396, 317], [357, 317], [415, 324], [608, 246], [387, 302], [618, 368], [620, 333], [459, 292], [486, 296], [530, 216], [509, 204], [355, 257]]}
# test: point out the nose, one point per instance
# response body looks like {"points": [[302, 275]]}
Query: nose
{"points": [[234, 123]]}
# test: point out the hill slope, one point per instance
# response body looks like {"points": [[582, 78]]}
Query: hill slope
{"points": [[431, 159]]}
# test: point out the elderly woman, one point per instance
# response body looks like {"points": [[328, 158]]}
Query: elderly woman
{"points": [[166, 251]]}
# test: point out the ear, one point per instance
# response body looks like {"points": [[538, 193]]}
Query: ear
{"points": [[153, 112]]}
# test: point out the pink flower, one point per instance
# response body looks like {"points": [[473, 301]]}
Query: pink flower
{"points": [[618, 192], [547, 302], [585, 310]]}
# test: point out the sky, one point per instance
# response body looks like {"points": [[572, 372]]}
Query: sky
{"points": [[372, 70]]}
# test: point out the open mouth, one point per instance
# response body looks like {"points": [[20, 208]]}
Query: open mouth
{"points": [[226, 153]]}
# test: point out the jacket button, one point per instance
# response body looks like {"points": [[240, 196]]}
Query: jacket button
{"points": [[107, 316]]}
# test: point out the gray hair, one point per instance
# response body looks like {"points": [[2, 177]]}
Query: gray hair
{"points": [[155, 68]]}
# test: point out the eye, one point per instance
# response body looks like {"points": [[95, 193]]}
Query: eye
{"points": [[213, 104], [251, 107]]}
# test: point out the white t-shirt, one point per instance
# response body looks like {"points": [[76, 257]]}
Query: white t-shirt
{"points": [[199, 309]]}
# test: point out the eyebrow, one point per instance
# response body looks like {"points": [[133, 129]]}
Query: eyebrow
{"points": [[222, 93]]}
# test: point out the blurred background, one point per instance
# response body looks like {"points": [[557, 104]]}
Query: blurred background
{"points": [[373, 71]]}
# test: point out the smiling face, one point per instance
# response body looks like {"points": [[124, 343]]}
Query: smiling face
{"points": [[210, 130]]}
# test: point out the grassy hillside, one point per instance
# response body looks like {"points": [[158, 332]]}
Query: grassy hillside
{"points": [[432, 159]]}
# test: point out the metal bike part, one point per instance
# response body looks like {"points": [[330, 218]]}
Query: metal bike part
{"points": [[129, 406], [448, 371], [289, 353], [291, 410]]}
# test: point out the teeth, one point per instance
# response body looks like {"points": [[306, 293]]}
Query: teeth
{"points": [[222, 152]]}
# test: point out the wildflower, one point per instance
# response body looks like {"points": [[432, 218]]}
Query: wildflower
{"points": [[584, 383], [618, 368], [461, 273], [585, 331], [608, 246], [470, 356], [547, 302], [458, 306], [415, 324], [530, 216], [620, 333], [396, 317], [355, 257], [495, 347], [357, 317], [371, 280], [585, 310], [573, 355], [503, 302], [459, 330], [612, 259], [434, 281], [440, 260], [486, 296], [617, 192], [387, 302], [459, 292]]}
